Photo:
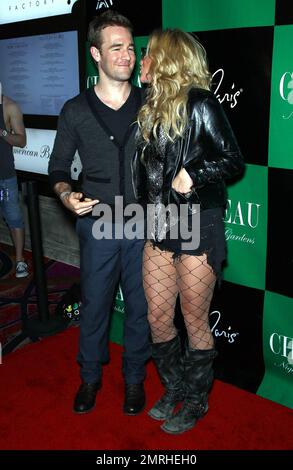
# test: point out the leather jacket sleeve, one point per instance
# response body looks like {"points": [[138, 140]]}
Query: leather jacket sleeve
{"points": [[213, 153], [138, 176]]}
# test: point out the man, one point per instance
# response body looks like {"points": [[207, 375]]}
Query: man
{"points": [[12, 133], [99, 123]]}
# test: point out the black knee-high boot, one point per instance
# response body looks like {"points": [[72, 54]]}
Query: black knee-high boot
{"points": [[169, 362], [198, 380]]}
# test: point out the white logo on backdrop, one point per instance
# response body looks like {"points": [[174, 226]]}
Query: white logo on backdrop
{"points": [[45, 152], [244, 215], [104, 3], [119, 307], [218, 332], [229, 96], [286, 90], [92, 80], [282, 346], [21, 10], [34, 157], [76, 167]]}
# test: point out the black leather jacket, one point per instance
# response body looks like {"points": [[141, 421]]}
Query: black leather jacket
{"points": [[208, 151]]}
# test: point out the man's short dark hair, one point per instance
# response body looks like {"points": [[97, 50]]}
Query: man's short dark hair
{"points": [[107, 18]]}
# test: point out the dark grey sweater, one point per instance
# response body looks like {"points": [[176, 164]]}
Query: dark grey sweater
{"points": [[106, 163]]}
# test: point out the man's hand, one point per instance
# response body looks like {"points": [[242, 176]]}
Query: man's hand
{"points": [[73, 202], [183, 182]]}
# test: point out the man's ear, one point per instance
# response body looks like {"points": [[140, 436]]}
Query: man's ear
{"points": [[95, 53]]}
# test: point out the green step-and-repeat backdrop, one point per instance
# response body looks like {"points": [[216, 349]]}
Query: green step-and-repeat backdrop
{"points": [[249, 46]]}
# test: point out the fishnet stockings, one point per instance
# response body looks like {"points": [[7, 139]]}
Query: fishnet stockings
{"points": [[194, 280]]}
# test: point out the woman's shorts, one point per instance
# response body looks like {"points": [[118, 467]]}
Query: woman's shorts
{"points": [[211, 240]]}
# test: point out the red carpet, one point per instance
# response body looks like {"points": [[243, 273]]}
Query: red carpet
{"points": [[37, 387]]}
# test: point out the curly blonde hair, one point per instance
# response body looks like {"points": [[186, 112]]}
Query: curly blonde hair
{"points": [[177, 63]]}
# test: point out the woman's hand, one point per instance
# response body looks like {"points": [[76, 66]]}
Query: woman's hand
{"points": [[182, 183]]}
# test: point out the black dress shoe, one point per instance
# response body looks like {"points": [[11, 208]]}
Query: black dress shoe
{"points": [[134, 399], [85, 399]]}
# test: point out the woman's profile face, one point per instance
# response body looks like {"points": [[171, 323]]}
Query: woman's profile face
{"points": [[145, 63]]}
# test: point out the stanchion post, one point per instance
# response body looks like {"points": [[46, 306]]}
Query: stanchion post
{"points": [[43, 325]]}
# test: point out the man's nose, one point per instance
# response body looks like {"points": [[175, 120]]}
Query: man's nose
{"points": [[126, 54]]}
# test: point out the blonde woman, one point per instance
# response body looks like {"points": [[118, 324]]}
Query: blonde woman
{"points": [[186, 151]]}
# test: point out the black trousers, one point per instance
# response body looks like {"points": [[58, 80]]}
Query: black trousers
{"points": [[102, 264]]}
